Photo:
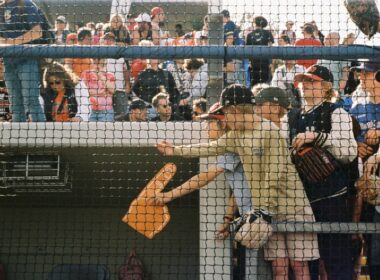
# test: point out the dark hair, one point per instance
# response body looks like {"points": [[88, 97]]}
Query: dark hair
{"points": [[285, 38], [309, 29], [83, 32], [261, 21], [193, 63], [62, 72]]}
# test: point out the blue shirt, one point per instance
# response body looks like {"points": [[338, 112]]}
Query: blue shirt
{"points": [[13, 24], [368, 116], [233, 169]]}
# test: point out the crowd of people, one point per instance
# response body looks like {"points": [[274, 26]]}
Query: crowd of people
{"points": [[332, 105], [104, 89]]}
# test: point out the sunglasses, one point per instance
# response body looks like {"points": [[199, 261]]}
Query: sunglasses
{"points": [[55, 82]]}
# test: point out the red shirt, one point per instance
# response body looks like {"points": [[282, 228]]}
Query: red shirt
{"points": [[307, 42]]}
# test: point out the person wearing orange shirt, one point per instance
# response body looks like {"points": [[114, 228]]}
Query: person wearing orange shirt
{"points": [[60, 104], [79, 65]]}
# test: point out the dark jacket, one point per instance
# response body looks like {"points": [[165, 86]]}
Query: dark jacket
{"points": [[49, 96]]}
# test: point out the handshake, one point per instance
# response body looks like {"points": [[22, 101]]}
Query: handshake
{"points": [[253, 229]]}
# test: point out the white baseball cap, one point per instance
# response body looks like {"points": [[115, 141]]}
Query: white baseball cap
{"points": [[143, 17]]}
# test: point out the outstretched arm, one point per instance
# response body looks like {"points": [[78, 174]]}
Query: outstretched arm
{"points": [[193, 184]]}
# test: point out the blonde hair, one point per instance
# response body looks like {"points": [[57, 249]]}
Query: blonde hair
{"points": [[246, 108], [331, 94]]}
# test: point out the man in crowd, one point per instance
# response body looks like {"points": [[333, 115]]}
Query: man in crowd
{"points": [[138, 111], [22, 24], [307, 40], [164, 109]]}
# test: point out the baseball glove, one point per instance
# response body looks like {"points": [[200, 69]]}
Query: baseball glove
{"points": [[364, 14], [369, 189], [314, 163], [254, 229]]}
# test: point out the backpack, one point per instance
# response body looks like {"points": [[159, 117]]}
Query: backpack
{"points": [[47, 33], [133, 268]]}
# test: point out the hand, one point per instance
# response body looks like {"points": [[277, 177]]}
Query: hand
{"points": [[160, 199], [370, 165], [364, 150], [223, 231], [165, 148], [372, 137], [304, 138]]}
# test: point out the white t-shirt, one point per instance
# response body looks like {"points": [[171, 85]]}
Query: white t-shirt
{"points": [[116, 67]]}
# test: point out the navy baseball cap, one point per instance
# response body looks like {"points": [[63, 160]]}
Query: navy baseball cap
{"points": [[138, 104], [225, 13], [368, 66], [316, 73], [235, 94]]}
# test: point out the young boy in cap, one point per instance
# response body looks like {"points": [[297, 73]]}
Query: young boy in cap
{"points": [[231, 166], [282, 249], [274, 182], [368, 149], [322, 125]]}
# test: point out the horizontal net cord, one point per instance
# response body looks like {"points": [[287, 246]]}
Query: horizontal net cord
{"points": [[352, 52]]}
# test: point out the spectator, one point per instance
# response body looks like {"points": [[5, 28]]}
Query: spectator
{"points": [[78, 25], [349, 39], [179, 30], [91, 25], [308, 40], [131, 23], [120, 69], [284, 40], [117, 27], [5, 115], [368, 149], [289, 33], [99, 29], [164, 109], [199, 108], [322, 124], [144, 30], [157, 16], [317, 33], [138, 111], [149, 81], [259, 69], [197, 81], [336, 67], [72, 39], [230, 26], [61, 31], [283, 78], [79, 65], [60, 103], [233, 68], [101, 87], [22, 75]]}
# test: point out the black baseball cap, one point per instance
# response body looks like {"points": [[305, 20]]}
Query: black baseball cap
{"points": [[235, 94], [274, 95], [225, 13], [316, 73], [368, 66], [138, 104]]}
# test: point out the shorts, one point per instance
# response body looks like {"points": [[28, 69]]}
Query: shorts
{"points": [[297, 246]]}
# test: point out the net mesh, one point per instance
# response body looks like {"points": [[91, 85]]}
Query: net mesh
{"points": [[113, 114]]}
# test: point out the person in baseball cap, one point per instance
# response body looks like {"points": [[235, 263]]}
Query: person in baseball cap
{"points": [[369, 66], [143, 17], [272, 103], [156, 11], [315, 73], [213, 113], [234, 94]]}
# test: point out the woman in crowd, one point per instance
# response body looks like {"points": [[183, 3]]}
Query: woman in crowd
{"points": [[117, 27], [60, 104], [101, 86]]}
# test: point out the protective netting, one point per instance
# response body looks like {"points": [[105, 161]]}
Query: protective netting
{"points": [[115, 113]]}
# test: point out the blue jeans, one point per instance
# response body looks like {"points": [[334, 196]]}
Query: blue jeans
{"points": [[22, 78], [101, 116]]}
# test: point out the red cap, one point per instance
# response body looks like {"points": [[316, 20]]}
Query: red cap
{"points": [[214, 113], [155, 11]]}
